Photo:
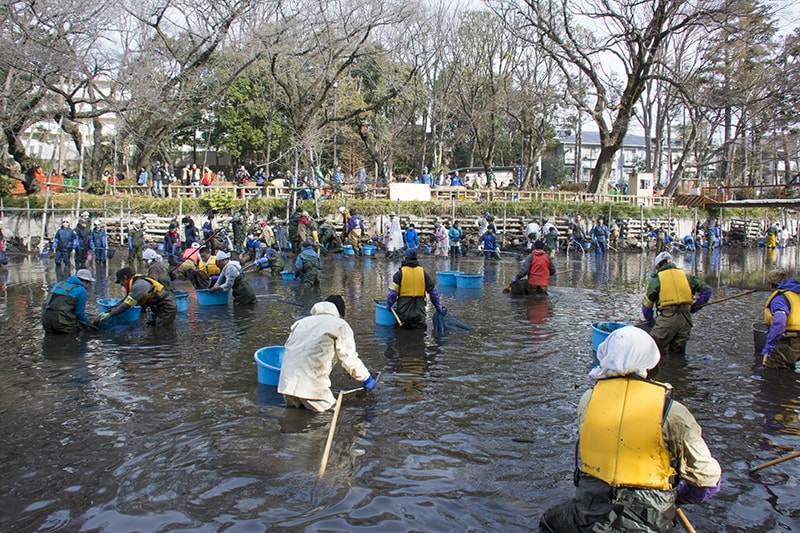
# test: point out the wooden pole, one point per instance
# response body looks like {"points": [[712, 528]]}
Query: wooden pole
{"points": [[684, 521], [792, 455], [324, 464], [729, 298], [399, 322]]}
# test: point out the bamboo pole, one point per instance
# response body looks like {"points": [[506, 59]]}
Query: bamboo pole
{"points": [[684, 521], [324, 463], [792, 455]]}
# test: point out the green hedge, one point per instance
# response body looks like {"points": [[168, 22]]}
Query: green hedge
{"points": [[272, 207]]}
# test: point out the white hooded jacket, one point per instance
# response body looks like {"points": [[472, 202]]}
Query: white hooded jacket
{"points": [[315, 344]]}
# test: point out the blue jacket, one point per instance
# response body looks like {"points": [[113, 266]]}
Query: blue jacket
{"points": [[411, 238], [489, 241], [99, 239], [454, 234], [73, 287], [65, 239]]}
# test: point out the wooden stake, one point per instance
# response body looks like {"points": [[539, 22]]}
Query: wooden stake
{"points": [[329, 442]]}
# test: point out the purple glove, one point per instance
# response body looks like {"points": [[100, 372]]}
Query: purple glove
{"points": [[513, 280], [688, 493], [435, 300], [702, 299], [391, 298], [647, 313]]}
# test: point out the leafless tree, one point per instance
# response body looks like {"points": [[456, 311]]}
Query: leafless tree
{"points": [[598, 40]]}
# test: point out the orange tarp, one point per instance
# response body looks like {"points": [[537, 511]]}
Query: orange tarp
{"points": [[56, 179]]}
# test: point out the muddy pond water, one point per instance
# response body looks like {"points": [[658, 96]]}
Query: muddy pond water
{"points": [[135, 430]]}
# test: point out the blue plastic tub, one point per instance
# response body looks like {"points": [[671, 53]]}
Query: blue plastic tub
{"points": [[383, 315], [368, 249], [182, 301], [469, 281], [601, 331], [287, 275], [131, 315], [447, 278], [347, 249], [268, 361], [426, 248], [204, 297]]}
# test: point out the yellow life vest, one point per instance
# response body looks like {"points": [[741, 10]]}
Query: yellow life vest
{"points": [[793, 320], [413, 282], [621, 441], [675, 288], [157, 287], [209, 268]]}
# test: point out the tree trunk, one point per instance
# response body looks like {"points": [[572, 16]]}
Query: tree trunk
{"points": [[677, 176], [602, 169]]}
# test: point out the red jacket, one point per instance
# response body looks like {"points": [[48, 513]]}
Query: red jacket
{"points": [[541, 268]]}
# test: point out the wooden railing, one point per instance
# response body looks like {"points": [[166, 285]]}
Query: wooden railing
{"points": [[441, 194]]}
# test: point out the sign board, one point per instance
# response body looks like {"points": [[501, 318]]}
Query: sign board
{"points": [[407, 192]]}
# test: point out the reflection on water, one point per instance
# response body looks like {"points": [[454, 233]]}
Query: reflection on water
{"points": [[133, 429]]}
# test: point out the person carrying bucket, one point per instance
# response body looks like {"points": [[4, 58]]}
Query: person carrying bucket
{"points": [[315, 344], [782, 315], [65, 307], [147, 293], [231, 277], [640, 453], [408, 288], [673, 292]]}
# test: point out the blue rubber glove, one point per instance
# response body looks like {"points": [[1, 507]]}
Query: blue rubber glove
{"points": [[513, 280], [370, 383], [688, 493], [647, 313]]}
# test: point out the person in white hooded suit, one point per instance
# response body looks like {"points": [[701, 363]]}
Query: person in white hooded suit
{"points": [[316, 343]]}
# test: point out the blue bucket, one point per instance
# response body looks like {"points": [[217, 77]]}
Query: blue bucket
{"points": [[383, 315], [204, 297], [447, 278], [269, 360], [426, 248], [182, 301], [287, 275], [601, 331], [131, 315], [347, 249], [469, 281], [368, 249]]}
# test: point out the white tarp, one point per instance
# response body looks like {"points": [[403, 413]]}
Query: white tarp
{"points": [[409, 192]]}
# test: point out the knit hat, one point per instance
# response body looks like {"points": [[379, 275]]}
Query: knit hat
{"points": [[411, 253], [84, 275], [221, 256], [338, 301], [538, 245]]}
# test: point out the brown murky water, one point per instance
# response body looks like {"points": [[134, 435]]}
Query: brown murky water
{"points": [[131, 430]]}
